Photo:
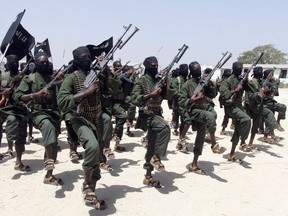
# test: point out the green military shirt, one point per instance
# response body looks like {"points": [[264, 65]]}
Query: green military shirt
{"points": [[186, 93], [226, 87], [175, 86], [43, 107], [252, 98], [144, 85]]}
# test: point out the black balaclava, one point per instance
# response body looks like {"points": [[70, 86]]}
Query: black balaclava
{"points": [[117, 64], [258, 72], [237, 68], [207, 71], [195, 69], [12, 63], [183, 70], [83, 63], [175, 73], [151, 65], [226, 73], [266, 73], [41, 67]]}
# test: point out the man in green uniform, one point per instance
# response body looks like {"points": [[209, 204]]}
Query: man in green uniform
{"points": [[82, 106], [226, 73], [118, 106], [148, 98], [231, 94], [185, 120], [44, 113], [14, 114], [256, 109], [269, 100], [201, 113], [127, 83]]}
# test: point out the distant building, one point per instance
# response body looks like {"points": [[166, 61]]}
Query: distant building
{"points": [[280, 70]]}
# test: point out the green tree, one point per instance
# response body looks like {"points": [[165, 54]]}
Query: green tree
{"points": [[271, 55]]}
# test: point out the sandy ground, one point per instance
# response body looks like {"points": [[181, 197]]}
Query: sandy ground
{"points": [[257, 187]]}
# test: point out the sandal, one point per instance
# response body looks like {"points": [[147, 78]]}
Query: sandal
{"points": [[156, 162], [179, 146], [234, 159], [105, 166], [175, 133], [196, 170], [217, 149], [223, 132], [276, 138], [149, 181], [267, 140], [49, 164], [52, 180], [108, 153], [120, 148], [22, 167], [244, 147], [129, 133], [252, 147], [74, 157], [32, 140], [280, 128], [89, 194], [9, 154]]}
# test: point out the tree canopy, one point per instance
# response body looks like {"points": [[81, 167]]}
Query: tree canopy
{"points": [[271, 55]]}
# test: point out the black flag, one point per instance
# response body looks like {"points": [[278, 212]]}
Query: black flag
{"points": [[97, 50], [20, 40], [42, 47]]}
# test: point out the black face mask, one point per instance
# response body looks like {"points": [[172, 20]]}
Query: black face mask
{"points": [[42, 68], [13, 67], [83, 64], [196, 73], [237, 71], [258, 76], [184, 73], [152, 71]]}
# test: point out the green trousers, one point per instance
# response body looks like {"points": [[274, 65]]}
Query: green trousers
{"points": [[88, 138], [158, 138], [16, 130], [242, 123]]}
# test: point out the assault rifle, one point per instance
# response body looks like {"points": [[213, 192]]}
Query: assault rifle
{"points": [[244, 75], [273, 83], [267, 80], [99, 66], [203, 82], [54, 82], [15, 82], [276, 93], [167, 70]]}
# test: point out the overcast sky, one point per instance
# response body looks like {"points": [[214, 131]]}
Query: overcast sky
{"points": [[208, 27]]}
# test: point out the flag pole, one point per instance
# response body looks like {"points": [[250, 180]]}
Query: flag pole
{"points": [[6, 49]]}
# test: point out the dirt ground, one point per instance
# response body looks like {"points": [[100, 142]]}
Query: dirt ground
{"points": [[257, 187]]}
